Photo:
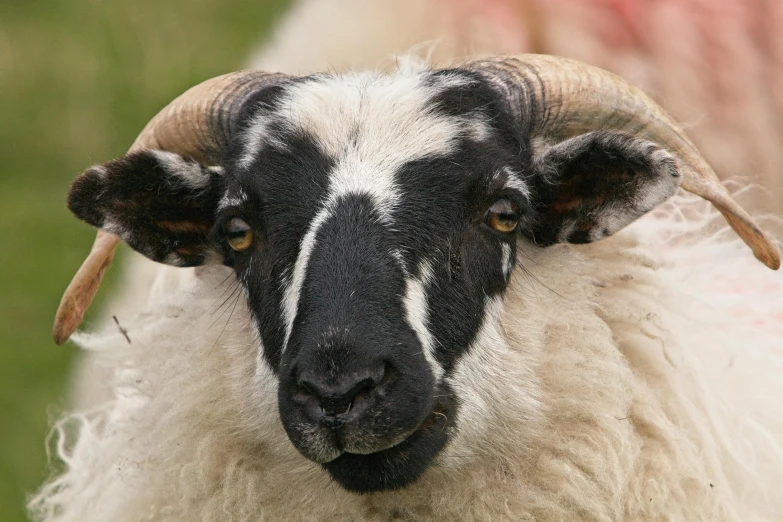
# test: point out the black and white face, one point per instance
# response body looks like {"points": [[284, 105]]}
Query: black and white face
{"points": [[373, 223], [383, 213]]}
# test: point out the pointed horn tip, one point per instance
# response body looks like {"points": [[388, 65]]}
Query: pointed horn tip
{"points": [[772, 259], [80, 293], [703, 182], [66, 321], [762, 246], [765, 251]]}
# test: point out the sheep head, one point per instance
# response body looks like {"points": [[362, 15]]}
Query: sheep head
{"points": [[373, 222]]}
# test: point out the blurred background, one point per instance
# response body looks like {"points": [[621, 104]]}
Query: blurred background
{"points": [[78, 81]]}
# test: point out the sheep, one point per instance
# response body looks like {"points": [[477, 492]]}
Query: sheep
{"points": [[732, 122], [586, 379]]}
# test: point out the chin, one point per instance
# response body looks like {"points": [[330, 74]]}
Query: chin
{"points": [[395, 467]]}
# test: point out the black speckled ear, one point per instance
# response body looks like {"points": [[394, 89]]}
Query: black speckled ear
{"points": [[161, 204], [591, 186]]}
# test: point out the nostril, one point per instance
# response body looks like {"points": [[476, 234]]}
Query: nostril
{"points": [[336, 397], [362, 386], [334, 406], [306, 388]]}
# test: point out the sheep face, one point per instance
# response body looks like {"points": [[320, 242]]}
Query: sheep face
{"points": [[373, 223]]}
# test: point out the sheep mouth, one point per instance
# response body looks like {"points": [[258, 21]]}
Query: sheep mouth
{"points": [[398, 465]]}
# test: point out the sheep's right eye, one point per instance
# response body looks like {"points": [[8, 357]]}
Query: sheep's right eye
{"points": [[238, 234]]}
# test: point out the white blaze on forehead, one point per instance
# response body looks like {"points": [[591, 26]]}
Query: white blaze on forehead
{"points": [[385, 120], [417, 313], [371, 125]]}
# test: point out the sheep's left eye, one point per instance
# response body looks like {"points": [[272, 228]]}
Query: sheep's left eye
{"points": [[503, 216], [238, 234]]}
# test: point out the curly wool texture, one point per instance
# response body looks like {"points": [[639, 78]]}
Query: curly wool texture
{"points": [[656, 397]]}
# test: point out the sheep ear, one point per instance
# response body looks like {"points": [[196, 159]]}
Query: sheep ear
{"points": [[161, 204], [589, 187]]}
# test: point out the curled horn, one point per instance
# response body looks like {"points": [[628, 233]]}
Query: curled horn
{"points": [[561, 98], [558, 97], [198, 124]]}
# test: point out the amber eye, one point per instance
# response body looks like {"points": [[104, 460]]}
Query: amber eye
{"points": [[503, 216], [238, 234]]}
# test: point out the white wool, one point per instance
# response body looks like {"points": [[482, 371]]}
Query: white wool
{"points": [[633, 378]]}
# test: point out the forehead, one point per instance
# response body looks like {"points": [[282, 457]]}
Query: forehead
{"points": [[382, 118], [365, 125], [410, 142]]}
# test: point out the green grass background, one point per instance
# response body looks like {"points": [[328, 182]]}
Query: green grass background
{"points": [[78, 81]]}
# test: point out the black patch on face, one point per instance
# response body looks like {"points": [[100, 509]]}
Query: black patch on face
{"points": [[473, 97], [285, 188], [441, 217], [351, 278], [442, 221]]}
